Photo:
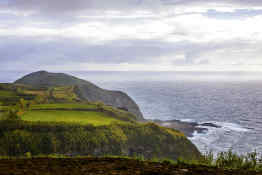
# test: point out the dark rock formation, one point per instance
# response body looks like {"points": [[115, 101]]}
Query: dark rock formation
{"points": [[84, 89], [188, 128], [210, 125]]}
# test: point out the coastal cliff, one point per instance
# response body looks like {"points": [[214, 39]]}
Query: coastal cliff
{"points": [[84, 89], [54, 113]]}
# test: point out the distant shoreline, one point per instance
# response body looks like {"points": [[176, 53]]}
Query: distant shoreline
{"points": [[188, 128]]}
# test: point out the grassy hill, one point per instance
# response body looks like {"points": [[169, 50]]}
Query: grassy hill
{"points": [[56, 121], [66, 87], [60, 104]]}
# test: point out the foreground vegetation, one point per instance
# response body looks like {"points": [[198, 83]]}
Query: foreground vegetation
{"points": [[106, 166], [224, 160]]}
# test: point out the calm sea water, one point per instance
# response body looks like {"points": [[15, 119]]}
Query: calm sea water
{"points": [[230, 100]]}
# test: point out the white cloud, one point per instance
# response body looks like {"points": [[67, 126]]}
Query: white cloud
{"points": [[165, 35], [192, 27]]}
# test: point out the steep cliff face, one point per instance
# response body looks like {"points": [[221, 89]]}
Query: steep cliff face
{"points": [[84, 89]]}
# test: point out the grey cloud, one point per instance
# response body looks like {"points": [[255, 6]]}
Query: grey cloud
{"points": [[63, 7], [69, 7], [203, 53], [192, 2], [64, 51], [64, 13], [237, 14], [25, 53]]}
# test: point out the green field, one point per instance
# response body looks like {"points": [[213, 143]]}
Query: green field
{"points": [[2, 107], [65, 106], [81, 113], [5, 93], [80, 117]]}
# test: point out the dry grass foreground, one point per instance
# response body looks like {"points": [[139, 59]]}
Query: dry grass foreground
{"points": [[106, 166]]}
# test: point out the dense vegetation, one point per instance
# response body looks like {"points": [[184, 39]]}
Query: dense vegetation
{"points": [[56, 121], [148, 140]]}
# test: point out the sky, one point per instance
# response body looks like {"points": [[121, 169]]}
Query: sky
{"points": [[131, 35]]}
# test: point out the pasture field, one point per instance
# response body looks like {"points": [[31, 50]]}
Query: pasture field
{"points": [[6, 93], [65, 106], [80, 117], [35, 92], [64, 92], [80, 113], [3, 107]]}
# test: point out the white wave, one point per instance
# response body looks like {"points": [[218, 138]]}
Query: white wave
{"points": [[207, 137], [187, 120], [226, 126], [232, 127], [217, 139], [166, 124]]}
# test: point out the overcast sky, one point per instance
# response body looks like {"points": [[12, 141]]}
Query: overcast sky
{"points": [[158, 35]]}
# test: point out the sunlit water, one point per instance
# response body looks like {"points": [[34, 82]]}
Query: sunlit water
{"points": [[230, 100]]}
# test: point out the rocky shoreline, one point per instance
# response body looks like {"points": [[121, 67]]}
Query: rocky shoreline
{"points": [[188, 128]]}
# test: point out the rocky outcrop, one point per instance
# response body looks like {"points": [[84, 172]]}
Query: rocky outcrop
{"points": [[84, 89]]}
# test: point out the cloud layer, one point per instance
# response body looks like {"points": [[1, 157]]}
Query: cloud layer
{"points": [[64, 6], [131, 34]]}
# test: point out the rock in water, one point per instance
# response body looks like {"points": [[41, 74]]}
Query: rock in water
{"points": [[85, 90]]}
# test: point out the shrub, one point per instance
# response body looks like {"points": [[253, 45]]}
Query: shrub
{"points": [[207, 158], [12, 113]]}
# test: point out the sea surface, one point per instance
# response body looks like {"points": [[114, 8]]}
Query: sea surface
{"points": [[232, 100]]}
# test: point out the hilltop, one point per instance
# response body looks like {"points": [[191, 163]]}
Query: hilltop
{"points": [[82, 88]]}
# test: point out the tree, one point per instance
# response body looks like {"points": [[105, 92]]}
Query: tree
{"points": [[19, 90], [15, 112], [12, 113], [22, 104], [100, 105], [39, 99]]}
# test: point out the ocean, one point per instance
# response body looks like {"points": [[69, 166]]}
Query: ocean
{"points": [[231, 100]]}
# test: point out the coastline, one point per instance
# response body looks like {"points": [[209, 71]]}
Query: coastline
{"points": [[188, 128]]}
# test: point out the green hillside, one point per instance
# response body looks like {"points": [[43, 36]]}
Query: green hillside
{"points": [[60, 104], [121, 139], [55, 120], [11, 93], [60, 87]]}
